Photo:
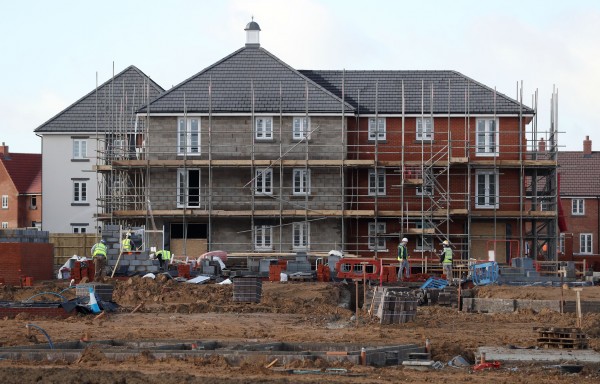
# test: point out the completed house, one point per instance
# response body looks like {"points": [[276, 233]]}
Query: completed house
{"points": [[72, 141], [20, 189]]}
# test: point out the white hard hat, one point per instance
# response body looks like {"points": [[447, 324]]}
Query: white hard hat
{"points": [[446, 242], [405, 240]]}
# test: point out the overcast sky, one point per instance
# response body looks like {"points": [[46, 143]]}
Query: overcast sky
{"points": [[52, 50]]}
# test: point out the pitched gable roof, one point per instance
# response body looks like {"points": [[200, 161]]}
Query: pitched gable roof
{"points": [[233, 79], [127, 91], [360, 87], [579, 173], [25, 171]]}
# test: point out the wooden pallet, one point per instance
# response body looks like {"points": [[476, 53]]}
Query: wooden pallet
{"points": [[554, 337]]}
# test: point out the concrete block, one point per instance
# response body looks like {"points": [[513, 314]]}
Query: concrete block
{"points": [[135, 262]]}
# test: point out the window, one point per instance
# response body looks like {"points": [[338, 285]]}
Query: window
{"points": [[188, 136], [263, 181], [33, 202], [376, 129], [561, 243], [545, 204], [79, 148], [301, 128], [376, 182], [301, 181], [486, 190], [376, 239], [424, 128], [79, 229], [263, 238], [585, 243], [188, 188], [4, 224], [119, 147], [424, 241], [301, 236], [426, 190], [487, 137], [79, 191], [577, 207], [263, 128], [4, 201]]}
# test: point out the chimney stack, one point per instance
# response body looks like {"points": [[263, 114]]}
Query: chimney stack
{"points": [[542, 145], [587, 146], [4, 150]]}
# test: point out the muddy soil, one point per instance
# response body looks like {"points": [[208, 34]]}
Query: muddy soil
{"points": [[292, 312]]}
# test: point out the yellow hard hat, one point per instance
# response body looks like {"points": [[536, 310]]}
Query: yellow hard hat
{"points": [[446, 242]]}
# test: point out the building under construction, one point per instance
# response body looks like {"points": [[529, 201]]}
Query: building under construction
{"points": [[253, 156]]}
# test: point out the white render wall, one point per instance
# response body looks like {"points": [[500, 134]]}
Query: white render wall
{"points": [[58, 170]]}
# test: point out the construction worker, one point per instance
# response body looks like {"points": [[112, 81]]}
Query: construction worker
{"points": [[99, 256], [127, 244], [403, 259], [164, 257], [446, 260]]}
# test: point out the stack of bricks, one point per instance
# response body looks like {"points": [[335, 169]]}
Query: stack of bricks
{"points": [[275, 272], [247, 289], [135, 261], [448, 297], [390, 275], [323, 273], [83, 269], [397, 307], [25, 253]]}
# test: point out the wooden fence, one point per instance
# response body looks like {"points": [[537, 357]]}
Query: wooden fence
{"points": [[68, 244]]}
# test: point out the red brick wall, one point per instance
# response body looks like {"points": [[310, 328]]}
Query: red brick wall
{"points": [[28, 259], [9, 215], [27, 215], [587, 223]]}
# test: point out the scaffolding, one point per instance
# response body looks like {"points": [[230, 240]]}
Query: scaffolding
{"points": [[277, 182]]}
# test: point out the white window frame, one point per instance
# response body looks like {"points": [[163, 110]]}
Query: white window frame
{"points": [[425, 190], [301, 127], [586, 243], [188, 136], [301, 182], [377, 132], [183, 188], [486, 137], [79, 149], [263, 128], [4, 201], [427, 134], [263, 181], [577, 207], [118, 147], [4, 225], [377, 182], [78, 229], [300, 236], [487, 195], [80, 191], [561, 243], [377, 243], [424, 241], [33, 202], [263, 237]]}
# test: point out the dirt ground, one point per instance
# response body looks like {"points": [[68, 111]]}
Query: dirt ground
{"points": [[289, 312]]}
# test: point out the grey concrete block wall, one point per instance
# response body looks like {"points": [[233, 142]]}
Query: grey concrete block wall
{"points": [[23, 236]]}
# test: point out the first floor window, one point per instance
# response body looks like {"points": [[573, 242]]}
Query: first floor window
{"points": [[300, 236], [33, 202], [188, 188], [301, 128], [377, 129], [561, 243], [301, 181], [376, 238], [577, 207], [79, 148], [4, 224], [585, 243], [263, 181], [425, 190], [486, 189], [79, 229], [424, 241], [4, 201], [263, 238], [424, 128], [263, 128], [376, 182], [188, 136], [79, 191], [487, 137]]}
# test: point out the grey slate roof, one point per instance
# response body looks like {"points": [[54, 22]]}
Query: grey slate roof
{"points": [[233, 78], [579, 174], [127, 89], [417, 86]]}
